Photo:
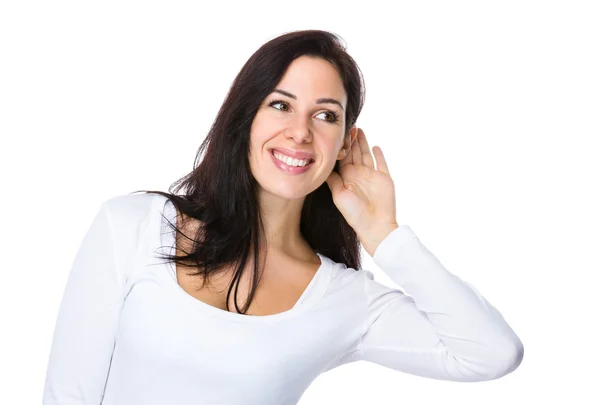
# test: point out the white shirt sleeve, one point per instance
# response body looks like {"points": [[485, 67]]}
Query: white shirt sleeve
{"points": [[443, 329], [86, 326]]}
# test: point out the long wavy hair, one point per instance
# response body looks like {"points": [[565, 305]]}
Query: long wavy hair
{"points": [[220, 191]]}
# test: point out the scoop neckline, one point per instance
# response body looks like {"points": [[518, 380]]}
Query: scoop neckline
{"points": [[310, 296]]}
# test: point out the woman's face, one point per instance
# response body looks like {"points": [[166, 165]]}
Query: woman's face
{"points": [[307, 119]]}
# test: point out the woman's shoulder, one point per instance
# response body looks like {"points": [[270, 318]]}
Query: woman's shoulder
{"points": [[130, 210], [135, 220]]}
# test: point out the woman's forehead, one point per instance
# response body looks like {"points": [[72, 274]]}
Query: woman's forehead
{"points": [[312, 78]]}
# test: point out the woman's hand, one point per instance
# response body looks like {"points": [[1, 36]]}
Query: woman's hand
{"points": [[364, 195]]}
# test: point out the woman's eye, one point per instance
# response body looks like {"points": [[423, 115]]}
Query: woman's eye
{"points": [[333, 116], [276, 103]]}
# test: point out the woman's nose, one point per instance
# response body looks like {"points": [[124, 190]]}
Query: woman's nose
{"points": [[299, 129]]}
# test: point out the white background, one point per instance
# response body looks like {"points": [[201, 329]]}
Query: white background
{"points": [[488, 114]]}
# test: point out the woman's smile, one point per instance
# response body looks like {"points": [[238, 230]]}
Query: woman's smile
{"points": [[280, 162]]}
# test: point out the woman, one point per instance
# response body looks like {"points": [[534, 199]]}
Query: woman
{"points": [[262, 289]]}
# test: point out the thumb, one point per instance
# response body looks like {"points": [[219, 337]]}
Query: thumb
{"points": [[335, 182]]}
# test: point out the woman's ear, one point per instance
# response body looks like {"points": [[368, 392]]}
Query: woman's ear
{"points": [[348, 141]]}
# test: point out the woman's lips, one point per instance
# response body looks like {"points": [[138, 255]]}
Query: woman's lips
{"points": [[284, 167], [294, 154]]}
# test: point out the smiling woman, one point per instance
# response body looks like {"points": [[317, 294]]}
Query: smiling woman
{"points": [[304, 127], [296, 98], [275, 212]]}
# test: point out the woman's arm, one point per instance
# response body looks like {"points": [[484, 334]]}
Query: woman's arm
{"points": [[86, 326], [444, 329]]}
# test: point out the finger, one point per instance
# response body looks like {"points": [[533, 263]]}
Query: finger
{"points": [[335, 183], [381, 163], [367, 159]]}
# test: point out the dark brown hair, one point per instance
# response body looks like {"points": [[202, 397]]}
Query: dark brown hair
{"points": [[220, 190]]}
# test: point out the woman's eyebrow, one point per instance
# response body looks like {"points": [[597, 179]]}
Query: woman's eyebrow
{"points": [[319, 101]]}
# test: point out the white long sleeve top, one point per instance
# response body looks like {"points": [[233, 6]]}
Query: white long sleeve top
{"points": [[127, 333]]}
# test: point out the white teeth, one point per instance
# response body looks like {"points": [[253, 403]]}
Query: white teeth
{"points": [[289, 161]]}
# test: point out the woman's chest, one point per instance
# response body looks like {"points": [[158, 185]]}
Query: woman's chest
{"points": [[160, 329], [278, 290]]}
